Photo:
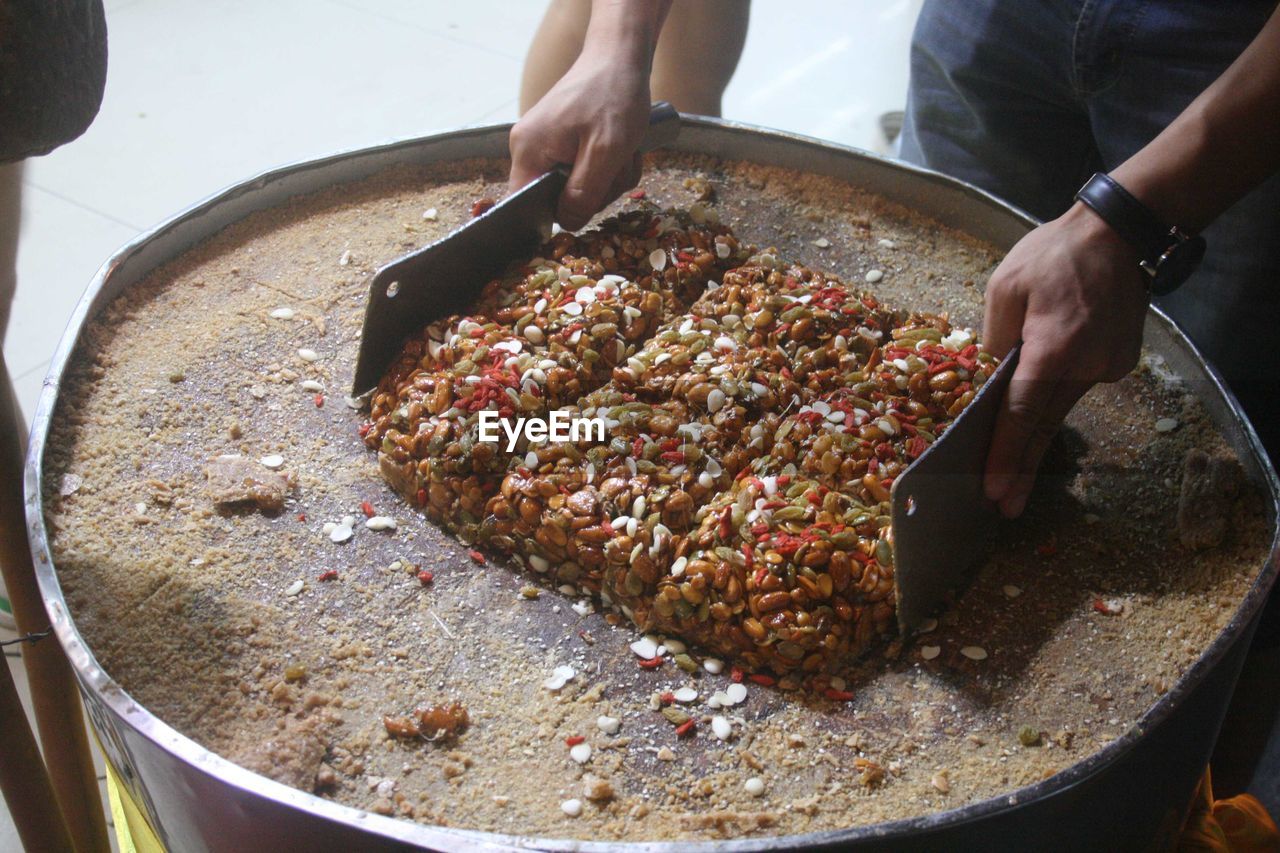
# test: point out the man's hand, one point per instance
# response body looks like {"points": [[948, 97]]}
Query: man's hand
{"points": [[596, 115], [594, 118], [1072, 292]]}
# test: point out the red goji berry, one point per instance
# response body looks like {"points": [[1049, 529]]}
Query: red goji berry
{"points": [[653, 663], [425, 577], [476, 555], [329, 575], [367, 509], [685, 727], [1105, 608], [939, 366], [574, 740]]}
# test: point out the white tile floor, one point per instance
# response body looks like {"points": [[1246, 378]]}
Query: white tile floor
{"points": [[202, 93]]}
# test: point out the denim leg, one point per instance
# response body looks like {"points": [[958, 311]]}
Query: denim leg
{"points": [[991, 100], [1026, 99], [1231, 306]]}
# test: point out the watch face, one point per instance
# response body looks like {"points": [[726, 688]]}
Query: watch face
{"points": [[1178, 264]]}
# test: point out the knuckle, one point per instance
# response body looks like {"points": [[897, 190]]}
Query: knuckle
{"points": [[520, 137], [581, 199], [607, 149], [1023, 413], [1000, 286]]}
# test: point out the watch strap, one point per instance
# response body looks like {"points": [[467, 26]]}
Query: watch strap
{"points": [[1130, 218]]}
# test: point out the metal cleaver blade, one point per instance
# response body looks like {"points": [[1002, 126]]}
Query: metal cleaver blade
{"points": [[447, 276], [941, 518]]}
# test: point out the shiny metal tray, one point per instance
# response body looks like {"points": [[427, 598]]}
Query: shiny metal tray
{"points": [[197, 800]]}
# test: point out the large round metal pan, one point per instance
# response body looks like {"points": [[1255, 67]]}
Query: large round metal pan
{"points": [[1131, 793]]}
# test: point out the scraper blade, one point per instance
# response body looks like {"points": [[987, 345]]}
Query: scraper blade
{"points": [[941, 518]]}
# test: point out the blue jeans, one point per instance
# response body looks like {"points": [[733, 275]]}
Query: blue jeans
{"points": [[1027, 98]]}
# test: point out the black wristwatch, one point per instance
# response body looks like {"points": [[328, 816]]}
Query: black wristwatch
{"points": [[1168, 254]]}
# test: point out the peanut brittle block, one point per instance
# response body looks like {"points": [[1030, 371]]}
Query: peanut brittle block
{"points": [[753, 415]]}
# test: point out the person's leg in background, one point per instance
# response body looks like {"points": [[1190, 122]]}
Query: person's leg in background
{"points": [[1139, 82], [556, 44], [1026, 105], [53, 77], [1087, 85], [10, 211], [1228, 307], [697, 52], [10, 215], [991, 102]]}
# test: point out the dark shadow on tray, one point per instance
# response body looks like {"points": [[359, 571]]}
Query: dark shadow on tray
{"points": [[1010, 630]]}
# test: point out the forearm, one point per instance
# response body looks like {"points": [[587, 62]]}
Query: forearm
{"points": [[1220, 147], [1070, 289], [596, 114]]}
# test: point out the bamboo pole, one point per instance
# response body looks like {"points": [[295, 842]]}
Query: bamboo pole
{"points": [[23, 779], [55, 700]]}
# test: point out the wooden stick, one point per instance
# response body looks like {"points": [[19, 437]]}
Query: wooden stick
{"points": [[54, 697], [23, 778]]}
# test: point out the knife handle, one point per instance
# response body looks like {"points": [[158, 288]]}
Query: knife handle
{"points": [[664, 127]]}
